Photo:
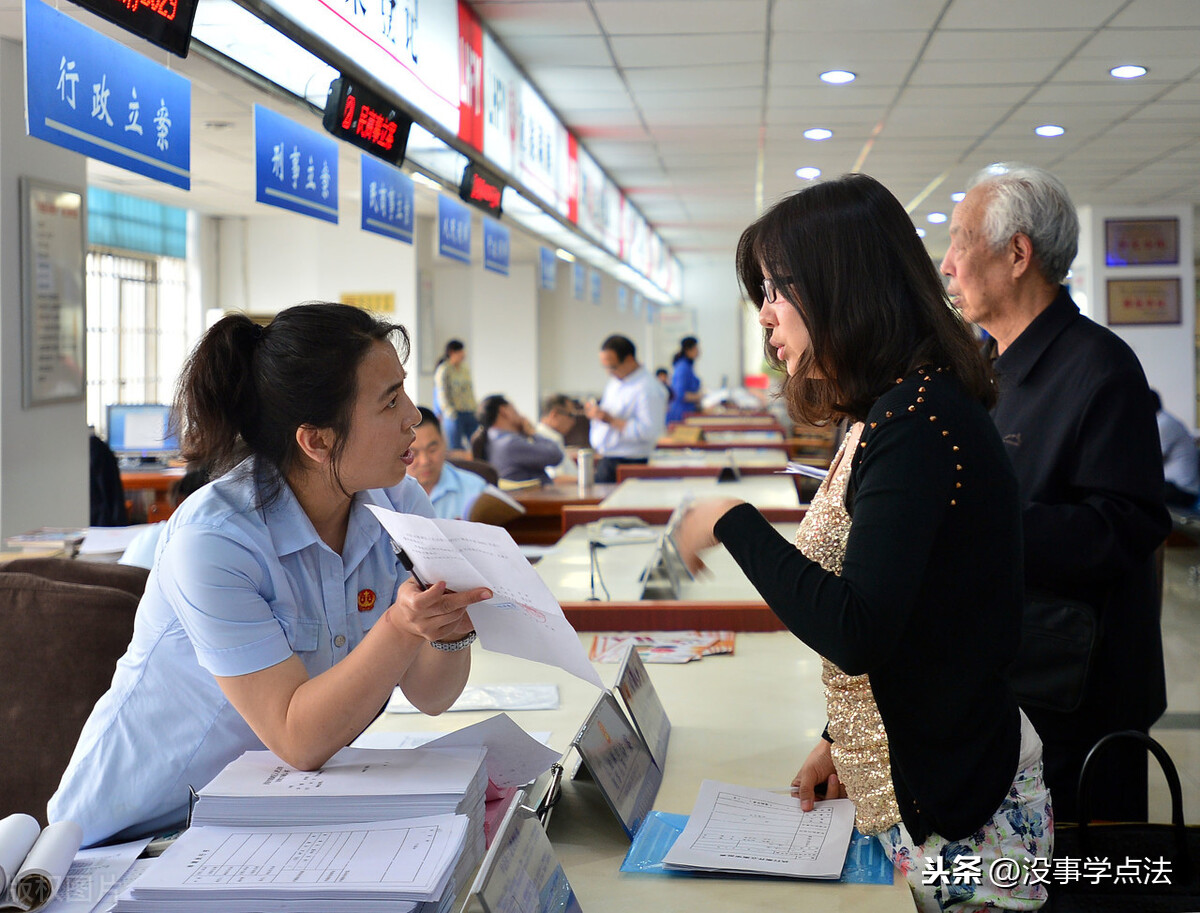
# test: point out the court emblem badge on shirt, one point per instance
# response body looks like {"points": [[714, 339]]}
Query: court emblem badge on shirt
{"points": [[366, 600]]}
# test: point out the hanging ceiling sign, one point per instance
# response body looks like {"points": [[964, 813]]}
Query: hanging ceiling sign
{"points": [[166, 23], [387, 200], [366, 120], [501, 91], [481, 189], [470, 77], [496, 245], [295, 168], [86, 92], [454, 229]]}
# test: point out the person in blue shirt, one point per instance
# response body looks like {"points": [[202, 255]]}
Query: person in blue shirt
{"points": [[276, 614], [685, 385], [452, 490]]}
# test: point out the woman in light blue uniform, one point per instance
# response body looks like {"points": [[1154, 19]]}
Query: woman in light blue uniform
{"points": [[276, 613]]}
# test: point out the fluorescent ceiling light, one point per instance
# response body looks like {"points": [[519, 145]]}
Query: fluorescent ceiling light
{"points": [[425, 180], [1049, 130], [937, 218], [808, 173], [565, 255], [1127, 71], [838, 77], [817, 133]]}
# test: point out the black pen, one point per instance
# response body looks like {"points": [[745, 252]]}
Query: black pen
{"points": [[408, 566]]}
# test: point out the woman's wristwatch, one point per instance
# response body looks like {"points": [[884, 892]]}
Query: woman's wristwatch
{"points": [[453, 646]]}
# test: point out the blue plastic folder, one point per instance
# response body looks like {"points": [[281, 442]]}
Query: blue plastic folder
{"points": [[866, 863]]}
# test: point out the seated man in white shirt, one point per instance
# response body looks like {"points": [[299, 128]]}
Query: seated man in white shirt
{"points": [[558, 418], [631, 415], [452, 490]]}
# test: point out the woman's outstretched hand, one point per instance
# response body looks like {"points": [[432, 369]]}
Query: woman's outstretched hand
{"points": [[695, 533]]}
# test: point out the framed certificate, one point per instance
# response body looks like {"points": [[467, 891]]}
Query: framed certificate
{"points": [[1144, 301], [53, 314], [1141, 242]]}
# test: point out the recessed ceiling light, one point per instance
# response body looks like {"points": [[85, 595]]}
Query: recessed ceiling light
{"points": [[838, 77], [1049, 130], [958, 197], [1127, 71], [997, 168], [937, 218], [808, 173], [817, 133], [920, 233]]}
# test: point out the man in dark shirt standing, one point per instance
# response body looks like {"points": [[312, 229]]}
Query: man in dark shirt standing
{"points": [[1076, 417]]}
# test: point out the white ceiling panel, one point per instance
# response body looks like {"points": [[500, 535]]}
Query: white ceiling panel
{"points": [[1059, 14], [652, 101], [1143, 44], [982, 72], [550, 80], [680, 17], [844, 47], [694, 76], [1168, 13], [1096, 94], [848, 15], [1163, 70], [1014, 44], [688, 50], [560, 50], [522, 20]]}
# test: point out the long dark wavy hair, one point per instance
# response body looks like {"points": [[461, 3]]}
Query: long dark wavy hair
{"points": [[246, 388], [846, 256]]}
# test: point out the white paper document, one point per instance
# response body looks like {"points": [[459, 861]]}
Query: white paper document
{"points": [[523, 618], [803, 469], [534, 696], [396, 860], [95, 877], [33, 861], [514, 757], [742, 829]]}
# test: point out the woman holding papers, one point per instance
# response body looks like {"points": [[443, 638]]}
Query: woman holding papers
{"points": [[907, 576], [276, 613]]}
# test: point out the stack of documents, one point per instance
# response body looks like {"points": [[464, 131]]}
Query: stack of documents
{"points": [[355, 785], [352, 868]]}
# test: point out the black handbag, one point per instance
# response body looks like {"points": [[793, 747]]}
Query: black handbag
{"points": [[1058, 640], [1161, 861]]}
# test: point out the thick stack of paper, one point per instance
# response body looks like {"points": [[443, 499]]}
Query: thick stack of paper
{"points": [[352, 868], [354, 785]]}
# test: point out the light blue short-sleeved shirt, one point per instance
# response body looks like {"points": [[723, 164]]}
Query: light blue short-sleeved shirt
{"points": [[455, 492], [235, 589]]}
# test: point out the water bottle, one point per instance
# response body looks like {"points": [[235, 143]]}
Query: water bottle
{"points": [[587, 472]]}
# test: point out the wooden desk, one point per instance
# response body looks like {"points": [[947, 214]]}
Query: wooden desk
{"points": [[722, 729], [761, 491], [542, 523], [770, 458], [147, 490]]}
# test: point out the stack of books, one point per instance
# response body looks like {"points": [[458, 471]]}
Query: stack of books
{"points": [[47, 540], [402, 827]]}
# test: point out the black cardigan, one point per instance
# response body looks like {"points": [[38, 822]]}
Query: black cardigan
{"points": [[929, 600], [1078, 424]]}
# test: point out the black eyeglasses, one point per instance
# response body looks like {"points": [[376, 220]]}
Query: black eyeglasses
{"points": [[770, 288]]}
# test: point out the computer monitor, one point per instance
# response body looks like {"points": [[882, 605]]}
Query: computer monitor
{"points": [[142, 430]]}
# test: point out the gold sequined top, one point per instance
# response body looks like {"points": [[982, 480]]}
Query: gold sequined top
{"points": [[860, 745]]}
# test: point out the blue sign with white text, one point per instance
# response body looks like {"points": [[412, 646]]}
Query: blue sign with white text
{"points": [[294, 167], [495, 247], [387, 200], [86, 92], [549, 271], [579, 281], [595, 286], [637, 303], [454, 229], [622, 299]]}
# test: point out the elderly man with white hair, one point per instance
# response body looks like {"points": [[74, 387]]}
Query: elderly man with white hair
{"points": [[1076, 417]]}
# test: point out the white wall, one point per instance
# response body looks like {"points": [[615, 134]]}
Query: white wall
{"points": [[710, 289], [1167, 352], [43, 450], [571, 331]]}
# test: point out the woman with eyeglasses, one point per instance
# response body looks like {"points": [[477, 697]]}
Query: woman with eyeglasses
{"points": [[906, 574]]}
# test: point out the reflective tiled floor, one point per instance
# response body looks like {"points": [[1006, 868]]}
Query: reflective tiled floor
{"points": [[1179, 728]]}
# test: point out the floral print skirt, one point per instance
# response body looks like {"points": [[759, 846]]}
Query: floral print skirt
{"points": [[1002, 866]]}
